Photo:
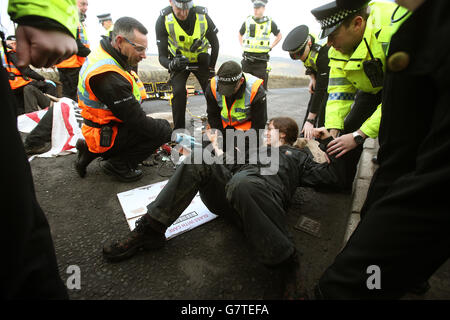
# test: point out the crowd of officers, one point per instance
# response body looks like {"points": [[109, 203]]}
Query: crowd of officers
{"points": [[371, 78]]}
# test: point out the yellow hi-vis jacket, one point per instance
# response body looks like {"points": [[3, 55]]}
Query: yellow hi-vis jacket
{"points": [[347, 74], [179, 40], [257, 35]]}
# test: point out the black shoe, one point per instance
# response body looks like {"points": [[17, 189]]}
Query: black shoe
{"points": [[121, 171], [143, 237], [31, 150], [84, 157]]}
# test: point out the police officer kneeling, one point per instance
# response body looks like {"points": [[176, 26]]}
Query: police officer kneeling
{"points": [[109, 94]]}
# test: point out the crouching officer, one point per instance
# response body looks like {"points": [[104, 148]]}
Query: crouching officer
{"points": [[236, 100], [303, 46], [109, 94], [184, 33]]}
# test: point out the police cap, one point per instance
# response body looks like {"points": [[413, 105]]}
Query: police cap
{"points": [[183, 4], [296, 40], [259, 3], [330, 16], [351, 4], [228, 76], [104, 17]]}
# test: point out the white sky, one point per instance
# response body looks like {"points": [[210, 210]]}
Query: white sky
{"points": [[228, 15]]}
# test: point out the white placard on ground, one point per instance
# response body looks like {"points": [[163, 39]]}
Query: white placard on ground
{"points": [[134, 204]]}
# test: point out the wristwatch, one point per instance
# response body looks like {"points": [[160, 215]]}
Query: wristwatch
{"points": [[312, 121], [358, 138]]}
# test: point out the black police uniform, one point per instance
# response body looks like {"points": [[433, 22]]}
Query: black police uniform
{"points": [[256, 63], [205, 61], [406, 217], [296, 40]]}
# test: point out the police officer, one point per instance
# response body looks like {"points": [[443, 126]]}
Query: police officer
{"points": [[359, 38], [235, 100], [303, 46], [69, 69], [107, 23], [254, 37], [184, 33], [405, 218]]}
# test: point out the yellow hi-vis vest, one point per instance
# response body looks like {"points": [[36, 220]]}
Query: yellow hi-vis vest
{"points": [[179, 40], [257, 35], [238, 116], [347, 75], [19, 80], [93, 109]]}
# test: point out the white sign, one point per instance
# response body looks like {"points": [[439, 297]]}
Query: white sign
{"points": [[134, 204]]}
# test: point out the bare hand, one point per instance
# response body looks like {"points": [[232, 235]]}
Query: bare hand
{"points": [[43, 48], [334, 133], [342, 145], [321, 133], [308, 130]]}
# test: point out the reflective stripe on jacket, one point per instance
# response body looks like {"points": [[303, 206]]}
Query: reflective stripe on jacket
{"points": [[347, 75], [76, 61], [93, 109], [19, 80], [238, 116], [179, 40], [257, 35]]}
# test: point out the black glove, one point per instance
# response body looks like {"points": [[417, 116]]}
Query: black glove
{"points": [[178, 63]]}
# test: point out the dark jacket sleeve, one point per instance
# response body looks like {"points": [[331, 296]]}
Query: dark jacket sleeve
{"points": [[213, 111], [83, 51], [259, 109], [275, 29], [211, 35], [162, 41], [321, 90], [315, 174], [116, 92], [242, 30]]}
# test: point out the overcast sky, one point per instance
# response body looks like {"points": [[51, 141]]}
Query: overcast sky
{"points": [[228, 15]]}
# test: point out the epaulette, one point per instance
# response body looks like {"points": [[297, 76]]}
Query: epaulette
{"points": [[201, 10], [166, 11], [316, 47]]}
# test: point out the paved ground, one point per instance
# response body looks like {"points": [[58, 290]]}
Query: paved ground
{"points": [[210, 262]]}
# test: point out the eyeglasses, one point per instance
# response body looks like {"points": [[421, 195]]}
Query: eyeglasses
{"points": [[138, 48]]}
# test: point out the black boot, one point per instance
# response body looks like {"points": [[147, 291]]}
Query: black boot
{"points": [[31, 150], [143, 237], [287, 283], [121, 170], [84, 157]]}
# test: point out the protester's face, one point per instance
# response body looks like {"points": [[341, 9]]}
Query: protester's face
{"points": [[345, 39], [136, 50], [181, 14], [82, 6], [259, 12], [274, 138], [411, 5]]}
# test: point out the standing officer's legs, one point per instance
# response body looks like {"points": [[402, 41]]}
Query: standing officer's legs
{"points": [[178, 82]]}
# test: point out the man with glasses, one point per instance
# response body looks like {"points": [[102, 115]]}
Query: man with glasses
{"points": [[116, 127], [184, 33]]}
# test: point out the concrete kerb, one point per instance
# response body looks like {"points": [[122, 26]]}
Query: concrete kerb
{"points": [[366, 169]]}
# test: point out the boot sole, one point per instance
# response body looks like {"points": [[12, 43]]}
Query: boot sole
{"points": [[132, 252]]}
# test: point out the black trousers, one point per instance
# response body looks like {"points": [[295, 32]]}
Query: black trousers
{"points": [[69, 80], [42, 133], [34, 99], [320, 117], [243, 197], [256, 68], [28, 269], [178, 81], [364, 106]]}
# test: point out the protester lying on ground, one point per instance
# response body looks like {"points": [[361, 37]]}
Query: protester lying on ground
{"points": [[255, 195]]}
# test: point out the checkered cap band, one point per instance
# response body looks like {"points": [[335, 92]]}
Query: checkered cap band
{"points": [[230, 79], [335, 18]]}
